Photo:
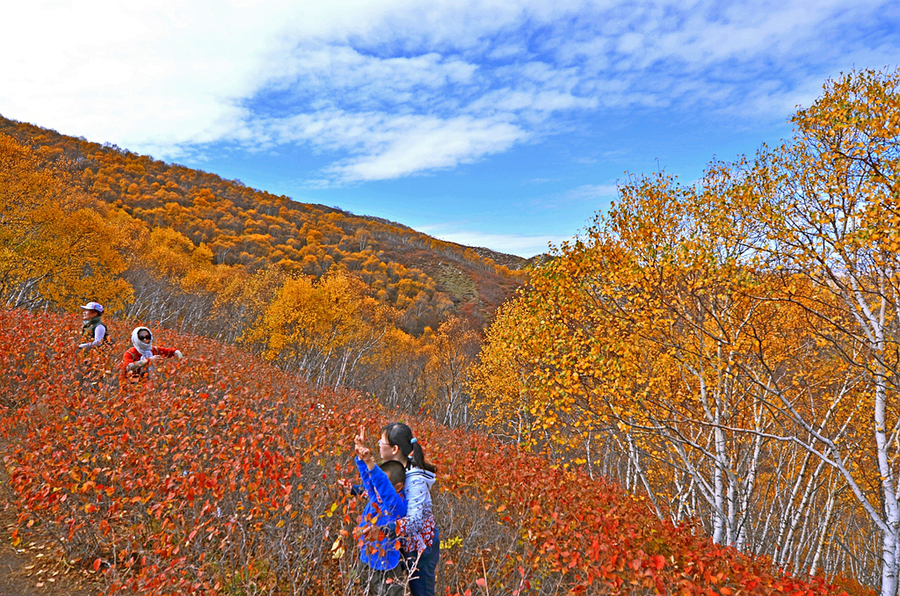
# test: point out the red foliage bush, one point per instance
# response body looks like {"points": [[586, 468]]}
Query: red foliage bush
{"points": [[219, 476]]}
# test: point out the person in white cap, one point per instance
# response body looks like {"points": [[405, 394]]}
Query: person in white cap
{"points": [[137, 359], [93, 331]]}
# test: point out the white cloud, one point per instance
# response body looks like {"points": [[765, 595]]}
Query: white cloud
{"points": [[396, 87], [428, 144], [330, 68], [385, 147], [531, 102], [515, 244], [124, 72]]}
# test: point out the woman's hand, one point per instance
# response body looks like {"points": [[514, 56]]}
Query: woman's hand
{"points": [[362, 451]]}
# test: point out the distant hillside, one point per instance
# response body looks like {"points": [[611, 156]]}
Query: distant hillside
{"points": [[240, 225]]}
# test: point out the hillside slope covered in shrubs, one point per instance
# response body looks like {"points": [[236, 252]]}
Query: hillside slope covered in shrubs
{"points": [[220, 476]]}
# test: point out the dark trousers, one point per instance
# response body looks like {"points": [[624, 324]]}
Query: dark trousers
{"points": [[423, 567]]}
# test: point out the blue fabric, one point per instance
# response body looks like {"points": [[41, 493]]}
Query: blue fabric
{"points": [[423, 579], [385, 507]]}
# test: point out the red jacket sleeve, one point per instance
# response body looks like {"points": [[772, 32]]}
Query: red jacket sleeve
{"points": [[167, 352], [130, 357]]}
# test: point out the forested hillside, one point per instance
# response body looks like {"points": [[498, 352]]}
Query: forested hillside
{"points": [[240, 226]]}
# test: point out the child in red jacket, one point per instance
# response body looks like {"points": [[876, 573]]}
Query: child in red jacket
{"points": [[137, 359]]}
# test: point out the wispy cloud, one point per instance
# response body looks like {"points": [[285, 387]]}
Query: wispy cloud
{"points": [[515, 244], [396, 87], [593, 192], [428, 144], [382, 146]]}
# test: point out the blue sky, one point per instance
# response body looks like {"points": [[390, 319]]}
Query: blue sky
{"points": [[493, 123]]}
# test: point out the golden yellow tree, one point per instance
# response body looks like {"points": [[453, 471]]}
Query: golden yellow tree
{"points": [[451, 350], [323, 328], [57, 246], [646, 348], [732, 346], [830, 204]]}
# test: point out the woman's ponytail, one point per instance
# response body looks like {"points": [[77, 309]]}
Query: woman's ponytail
{"points": [[400, 435]]}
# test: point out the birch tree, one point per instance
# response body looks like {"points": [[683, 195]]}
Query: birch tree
{"points": [[831, 202]]}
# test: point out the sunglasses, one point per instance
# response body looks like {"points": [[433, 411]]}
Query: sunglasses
{"points": [[144, 336]]}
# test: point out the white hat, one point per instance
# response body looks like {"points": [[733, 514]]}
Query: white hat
{"points": [[93, 306]]}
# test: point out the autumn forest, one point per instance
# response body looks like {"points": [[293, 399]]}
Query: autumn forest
{"points": [[698, 394]]}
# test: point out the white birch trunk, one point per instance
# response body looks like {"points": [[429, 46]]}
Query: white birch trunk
{"points": [[891, 509]]}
